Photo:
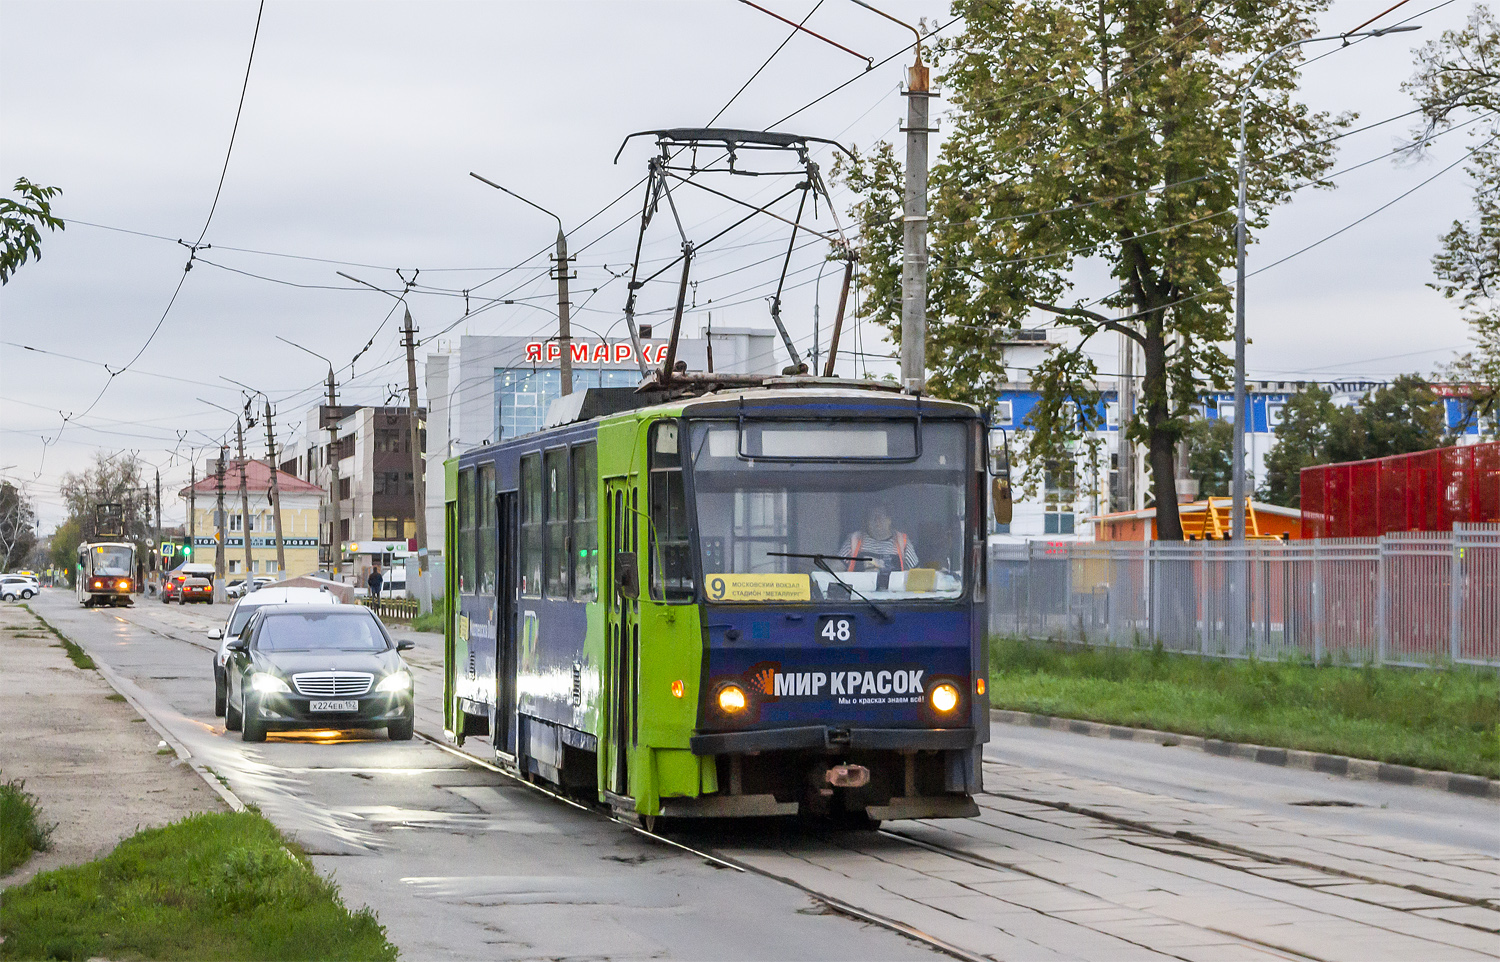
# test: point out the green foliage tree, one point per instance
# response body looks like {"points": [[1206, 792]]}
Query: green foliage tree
{"points": [[1400, 418], [1211, 456], [1457, 80], [1105, 130], [17, 526], [65, 540], [21, 221]]}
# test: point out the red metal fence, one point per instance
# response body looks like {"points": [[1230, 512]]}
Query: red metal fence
{"points": [[1424, 491]]}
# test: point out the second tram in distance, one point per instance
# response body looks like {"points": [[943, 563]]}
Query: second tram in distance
{"points": [[759, 601]]}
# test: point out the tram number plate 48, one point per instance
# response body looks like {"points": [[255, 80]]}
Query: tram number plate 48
{"points": [[333, 706], [835, 629]]}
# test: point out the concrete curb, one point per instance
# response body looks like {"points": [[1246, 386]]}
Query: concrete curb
{"points": [[1473, 785]]}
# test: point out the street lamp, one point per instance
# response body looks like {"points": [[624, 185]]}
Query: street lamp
{"points": [[1237, 491], [335, 543], [564, 333]]}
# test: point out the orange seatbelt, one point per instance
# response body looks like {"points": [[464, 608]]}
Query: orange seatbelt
{"points": [[858, 543]]}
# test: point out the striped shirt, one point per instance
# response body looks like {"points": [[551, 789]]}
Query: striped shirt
{"points": [[893, 553]]}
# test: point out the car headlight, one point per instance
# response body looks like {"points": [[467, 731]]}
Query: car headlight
{"points": [[732, 699], [395, 681], [944, 698], [267, 683]]}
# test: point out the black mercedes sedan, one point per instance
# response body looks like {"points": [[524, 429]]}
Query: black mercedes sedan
{"points": [[317, 666]]}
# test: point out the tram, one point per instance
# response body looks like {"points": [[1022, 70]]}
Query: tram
{"points": [[106, 574], [747, 601]]}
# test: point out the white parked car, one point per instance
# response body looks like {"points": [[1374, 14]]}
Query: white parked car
{"points": [[236, 589], [18, 586], [239, 616]]}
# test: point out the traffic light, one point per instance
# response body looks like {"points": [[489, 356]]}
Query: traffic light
{"points": [[186, 550]]}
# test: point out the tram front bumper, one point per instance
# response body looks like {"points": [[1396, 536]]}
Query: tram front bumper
{"points": [[833, 739]]}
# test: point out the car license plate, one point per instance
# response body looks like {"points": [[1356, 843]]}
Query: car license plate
{"points": [[333, 706]]}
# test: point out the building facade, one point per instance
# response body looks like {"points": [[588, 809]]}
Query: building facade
{"points": [[301, 504], [375, 492]]}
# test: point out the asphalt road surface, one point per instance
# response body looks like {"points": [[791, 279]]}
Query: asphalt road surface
{"points": [[1085, 848]]}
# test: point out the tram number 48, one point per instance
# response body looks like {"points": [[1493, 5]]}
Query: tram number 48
{"points": [[836, 629]]}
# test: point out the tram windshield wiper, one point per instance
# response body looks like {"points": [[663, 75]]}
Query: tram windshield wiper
{"points": [[821, 560]]}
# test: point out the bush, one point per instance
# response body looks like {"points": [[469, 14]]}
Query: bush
{"points": [[21, 832], [434, 619]]}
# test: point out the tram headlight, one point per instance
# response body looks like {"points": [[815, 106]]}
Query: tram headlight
{"points": [[732, 699], [944, 698], [123, 585], [97, 583]]}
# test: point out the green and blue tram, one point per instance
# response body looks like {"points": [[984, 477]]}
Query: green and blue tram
{"points": [[758, 601]]}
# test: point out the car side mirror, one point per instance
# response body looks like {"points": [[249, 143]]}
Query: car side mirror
{"points": [[238, 645], [627, 575], [216, 634], [405, 645]]}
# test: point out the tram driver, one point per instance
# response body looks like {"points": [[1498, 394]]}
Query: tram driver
{"points": [[882, 547]]}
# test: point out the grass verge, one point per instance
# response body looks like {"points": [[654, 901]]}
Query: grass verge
{"points": [[1445, 719], [76, 654], [221, 885], [21, 829], [432, 620]]}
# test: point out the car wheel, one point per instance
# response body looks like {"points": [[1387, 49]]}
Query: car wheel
{"points": [[220, 695], [27, 593], [252, 729], [232, 716], [402, 731]]}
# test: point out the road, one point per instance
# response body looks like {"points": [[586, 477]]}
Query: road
{"points": [[1085, 848]]}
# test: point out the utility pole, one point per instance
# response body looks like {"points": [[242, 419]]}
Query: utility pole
{"points": [[192, 518], [219, 523], [335, 543], [275, 492], [418, 487], [914, 232], [564, 329], [239, 437], [156, 561]]}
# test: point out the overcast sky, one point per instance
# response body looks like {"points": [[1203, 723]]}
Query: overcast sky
{"points": [[362, 122]]}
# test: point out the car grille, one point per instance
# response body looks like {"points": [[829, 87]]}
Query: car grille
{"points": [[333, 684]]}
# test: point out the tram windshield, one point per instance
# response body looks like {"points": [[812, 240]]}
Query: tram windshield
{"points": [[111, 559], [809, 511]]}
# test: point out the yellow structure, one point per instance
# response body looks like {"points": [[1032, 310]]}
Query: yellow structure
{"points": [[300, 504]]}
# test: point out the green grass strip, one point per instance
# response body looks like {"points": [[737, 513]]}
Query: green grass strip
{"points": [[1445, 719], [21, 829], [211, 886], [76, 654]]}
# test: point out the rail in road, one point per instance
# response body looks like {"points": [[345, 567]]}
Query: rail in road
{"points": [[1084, 848]]}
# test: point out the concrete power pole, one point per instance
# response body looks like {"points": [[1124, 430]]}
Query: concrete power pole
{"points": [[564, 327], [219, 525], [914, 233], [419, 486], [156, 562], [335, 542], [192, 519], [239, 437], [275, 492]]}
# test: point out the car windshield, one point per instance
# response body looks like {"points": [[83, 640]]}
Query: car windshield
{"points": [[306, 631], [111, 559], [886, 520]]}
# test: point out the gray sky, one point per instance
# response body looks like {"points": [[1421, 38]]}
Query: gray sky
{"points": [[359, 129]]}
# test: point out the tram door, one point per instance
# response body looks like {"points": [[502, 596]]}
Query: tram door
{"points": [[624, 636], [507, 588]]}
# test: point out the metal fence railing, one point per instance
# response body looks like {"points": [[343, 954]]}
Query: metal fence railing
{"points": [[1423, 598]]}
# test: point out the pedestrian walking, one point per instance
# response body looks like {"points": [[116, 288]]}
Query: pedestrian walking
{"points": [[374, 582]]}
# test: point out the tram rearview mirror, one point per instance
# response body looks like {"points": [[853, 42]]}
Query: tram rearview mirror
{"points": [[1001, 500], [627, 575]]}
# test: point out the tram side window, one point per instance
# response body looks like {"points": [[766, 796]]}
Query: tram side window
{"points": [[555, 480], [585, 523], [486, 532], [670, 550], [466, 581], [532, 497]]}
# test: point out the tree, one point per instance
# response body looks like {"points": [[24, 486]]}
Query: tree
{"points": [[113, 479], [64, 546], [21, 221], [17, 526], [1301, 442], [1458, 80], [1095, 129], [1211, 456], [1402, 417]]}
